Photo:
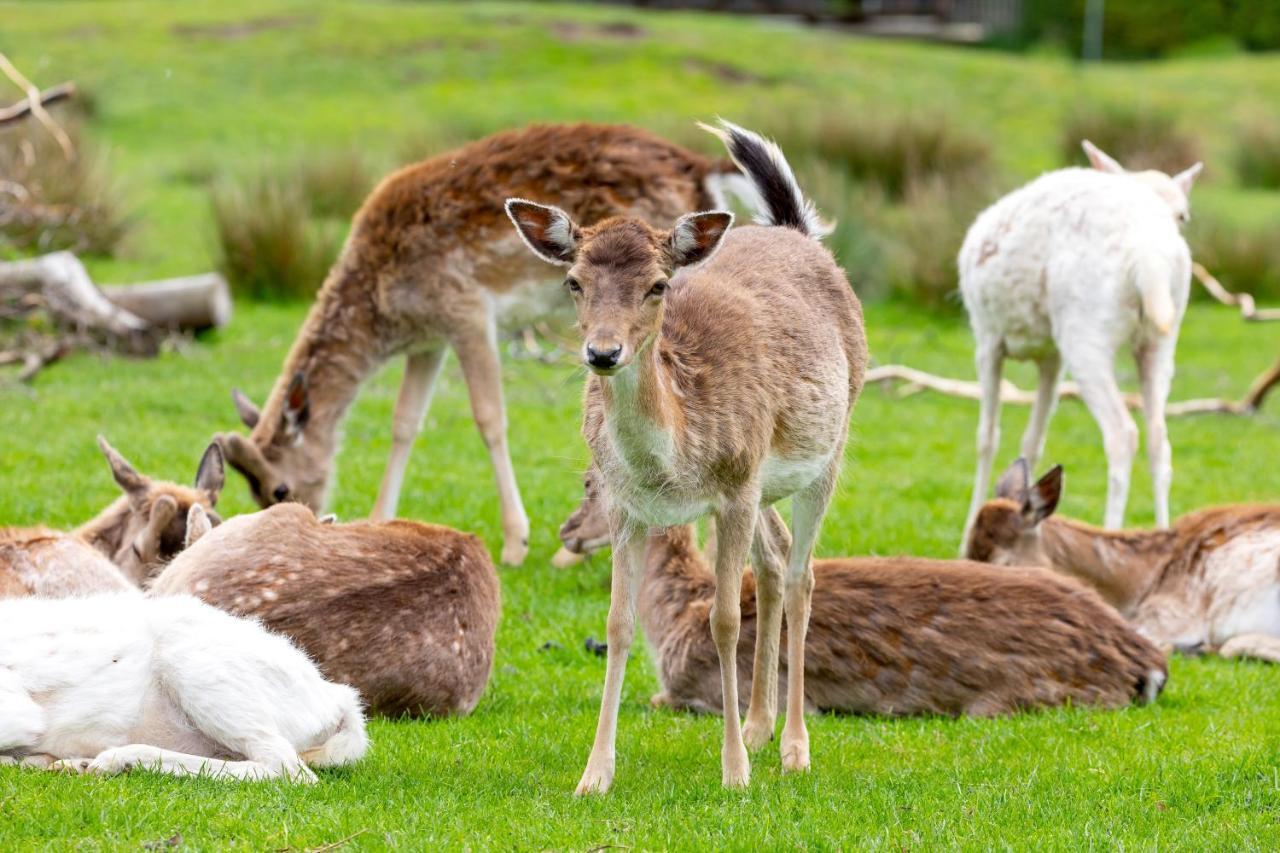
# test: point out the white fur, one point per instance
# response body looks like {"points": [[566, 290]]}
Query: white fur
{"points": [[110, 682], [1064, 272]]}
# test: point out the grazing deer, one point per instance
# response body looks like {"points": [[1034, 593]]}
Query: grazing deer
{"points": [[722, 382], [1064, 272], [429, 267], [897, 636], [110, 683], [45, 563], [404, 612], [1209, 583]]}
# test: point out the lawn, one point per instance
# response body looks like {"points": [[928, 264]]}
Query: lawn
{"points": [[180, 95]]}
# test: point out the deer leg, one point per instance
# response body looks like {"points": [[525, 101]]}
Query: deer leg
{"points": [[1264, 647], [990, 361], [735, 528], [1155, 370], [1042, 409], [420, 372], [767, 559], [1119, 433], [141, 756], [478, 355], [628, 539]]}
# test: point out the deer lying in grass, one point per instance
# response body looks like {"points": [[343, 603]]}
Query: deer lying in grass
{"points": [[1209, 583], [429, 267], [138, 533], [402, 611], [723, 382], [898, 636], [110, 683], [1064, 272]]}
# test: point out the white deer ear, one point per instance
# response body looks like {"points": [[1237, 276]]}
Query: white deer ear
{"points": [[696, 236], [1101, 160], [198, 524], [547, 231], [1187, 177]]}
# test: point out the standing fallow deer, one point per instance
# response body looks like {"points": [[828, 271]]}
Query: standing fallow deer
{"points": [[897, 635], [130, 540], [402, 611], [430, 266], [1065, 272], [722, 382], [1210, 583]]}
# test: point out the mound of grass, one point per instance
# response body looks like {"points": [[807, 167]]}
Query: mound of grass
{"points": [[1258, 154], [1243, 257], [1139, 137]]}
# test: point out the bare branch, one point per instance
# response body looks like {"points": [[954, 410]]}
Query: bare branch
{"points": [[36, 105], [22, 109], [1248, 308]]}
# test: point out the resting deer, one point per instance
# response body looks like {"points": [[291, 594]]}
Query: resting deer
{"points": [[138, 533], [897, 636], [1209, 583], [1064, 272], [110, 683], [722, 382], [402, 611], [430, 266]]}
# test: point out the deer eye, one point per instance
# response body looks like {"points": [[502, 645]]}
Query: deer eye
{"points": [[659, 288], [571, 284]]}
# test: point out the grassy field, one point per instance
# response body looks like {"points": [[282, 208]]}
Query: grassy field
{"points": [[186, 91]]}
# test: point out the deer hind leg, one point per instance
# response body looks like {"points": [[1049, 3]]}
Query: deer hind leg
{"points": [[420, 372], [768, 559], [1155, 370], [735, 528], [628, 558], [1264, 647], [1042, 409], [1093, 371], [990, 361], [141, 756], [478, 355]]}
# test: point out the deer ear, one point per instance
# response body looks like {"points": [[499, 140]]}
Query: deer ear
{"points": [[248, 412], [547, 231], [198, 524], [1187, 177], [297, 406], [211, 476], [134, 484], [1100, 160], [696, 236], [1043, 497], [1015, 482]]}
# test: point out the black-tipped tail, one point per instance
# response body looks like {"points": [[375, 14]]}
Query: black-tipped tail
{"points": [[779, 199]]}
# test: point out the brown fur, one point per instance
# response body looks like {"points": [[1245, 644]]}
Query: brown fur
{"points": [[429, 251], [37, 561], [404, 612]]}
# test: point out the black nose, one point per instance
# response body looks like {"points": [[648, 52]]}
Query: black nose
{"points": [[280, 493], [603, 358]]}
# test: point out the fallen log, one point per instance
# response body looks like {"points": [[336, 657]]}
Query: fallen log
{"points": [[191, 303]]}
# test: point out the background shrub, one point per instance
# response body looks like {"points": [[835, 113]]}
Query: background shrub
{"points": [[1140, 138], [1242, 257], [1258, 154], [1135, 29], [335, 183]]}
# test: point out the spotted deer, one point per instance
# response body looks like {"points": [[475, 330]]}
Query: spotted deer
{"points": [[725, 365], [402, 611], [894, 636], [1209, 583], [431, 266]]}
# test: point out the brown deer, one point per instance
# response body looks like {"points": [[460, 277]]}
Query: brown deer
{"points": [[896, 636], [138, 533], [430, 266], [402, 611], [722, 382], [1209, 583]]}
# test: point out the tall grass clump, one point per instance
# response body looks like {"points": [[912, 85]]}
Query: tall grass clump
{"points": [[1258, 154], [1243, 257], [335, 182], [1139, 137]]}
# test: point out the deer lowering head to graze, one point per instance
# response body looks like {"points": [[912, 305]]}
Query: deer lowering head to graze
{"points": [[725, 365], [430, 266], [404, 612], [898, 635], [109, 683], [1211, 582], [1065, 272]]}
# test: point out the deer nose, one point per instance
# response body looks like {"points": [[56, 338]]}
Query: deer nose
{"points": [[280, 493], [605, 357]]}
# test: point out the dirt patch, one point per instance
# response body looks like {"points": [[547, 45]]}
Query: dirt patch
{"points": [[575, 31], [725, 72], [233, 30]]}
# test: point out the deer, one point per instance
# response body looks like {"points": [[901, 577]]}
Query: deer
{"points": [[894, 636], [429, 267], [402, 611], [130, 539], [1064, 272], [115, 682], [1208, 584], [724, 368]]}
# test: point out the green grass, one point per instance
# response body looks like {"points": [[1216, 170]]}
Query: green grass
{"points": [[1197, 770]]}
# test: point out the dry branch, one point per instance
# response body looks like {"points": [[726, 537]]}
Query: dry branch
{"points": [[1248, 308], [35, 105], [22, 109]]}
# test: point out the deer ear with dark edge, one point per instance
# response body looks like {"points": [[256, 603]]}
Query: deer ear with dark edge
{"points": [[1043, 497], [696, 236], [548, 231]]}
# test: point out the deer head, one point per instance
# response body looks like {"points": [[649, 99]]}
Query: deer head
{"points": [[618, 272], [1007, 529], [1174, 190]]}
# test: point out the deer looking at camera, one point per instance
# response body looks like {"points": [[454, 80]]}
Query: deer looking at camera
{"points": [[1209, 583], [722, 382], [430, 266]]}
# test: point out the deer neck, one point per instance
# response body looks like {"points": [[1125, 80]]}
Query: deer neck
{"points": [[1124, 566], [640, 413]]}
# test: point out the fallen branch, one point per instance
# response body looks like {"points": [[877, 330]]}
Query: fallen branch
{"points": [[36, 106], [1248, 308], [23, 108]]}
